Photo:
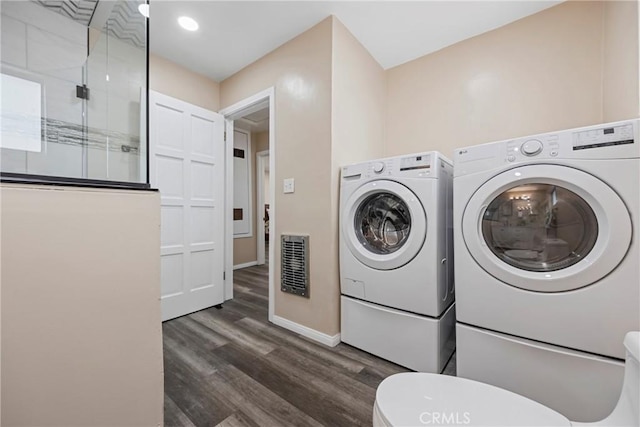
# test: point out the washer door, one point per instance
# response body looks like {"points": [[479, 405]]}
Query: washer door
{"points": [[383, 224], [546, 228]]}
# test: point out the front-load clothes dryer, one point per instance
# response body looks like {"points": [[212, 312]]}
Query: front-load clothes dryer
{"points": [[547, 271], [396, 267]]}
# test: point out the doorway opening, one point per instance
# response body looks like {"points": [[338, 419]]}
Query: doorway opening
{"points": [[250, 190]]}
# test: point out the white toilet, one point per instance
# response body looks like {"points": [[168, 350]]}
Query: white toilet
{"points": [[417, 399]]}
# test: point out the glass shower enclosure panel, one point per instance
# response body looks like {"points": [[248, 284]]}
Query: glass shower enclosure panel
{"points": [[116, 74], [74, 79]]}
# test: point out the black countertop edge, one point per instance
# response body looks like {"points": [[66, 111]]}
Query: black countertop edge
{"points": [[17, 178]]}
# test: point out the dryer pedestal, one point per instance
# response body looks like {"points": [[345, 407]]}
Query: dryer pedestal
{"points": [[421, 343], [581, 386]]}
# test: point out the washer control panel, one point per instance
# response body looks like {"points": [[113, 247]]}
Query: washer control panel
{"points": [[422, 161], [419, 165]]}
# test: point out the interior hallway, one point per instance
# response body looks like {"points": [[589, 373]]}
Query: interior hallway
{"points": [[231, 367]]}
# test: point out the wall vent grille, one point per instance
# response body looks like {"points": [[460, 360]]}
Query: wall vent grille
{"points": [[295, 265]]}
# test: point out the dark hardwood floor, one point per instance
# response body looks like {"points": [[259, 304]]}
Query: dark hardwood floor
{"points": [[231, 367]]}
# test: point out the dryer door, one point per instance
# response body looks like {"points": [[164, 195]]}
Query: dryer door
{"points": [[383, 224], [546, 228]]}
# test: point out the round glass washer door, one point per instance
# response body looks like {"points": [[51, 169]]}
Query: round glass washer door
{"points": [[539, 227], [547, 228], [383, 224]]}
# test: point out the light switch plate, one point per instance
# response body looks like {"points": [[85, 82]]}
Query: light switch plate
{"points": [[289, 186]]}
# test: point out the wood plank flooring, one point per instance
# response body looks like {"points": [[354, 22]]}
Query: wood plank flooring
{"points": [[230, 367]]}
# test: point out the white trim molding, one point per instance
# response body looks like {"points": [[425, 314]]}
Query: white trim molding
{"points": [[320, 337], [245, 265], [228, 209], [249, 105]]}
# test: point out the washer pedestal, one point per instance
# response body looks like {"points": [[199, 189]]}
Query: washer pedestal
{"points": [[581, 386], [420, 343]]}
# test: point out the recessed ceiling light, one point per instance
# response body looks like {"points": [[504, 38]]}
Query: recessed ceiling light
{"points": [[188, 23], [144, 10]]}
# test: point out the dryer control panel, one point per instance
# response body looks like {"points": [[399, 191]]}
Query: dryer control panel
{"points": [[619, 140], [603, 137], [613, 141], [533, 147]]}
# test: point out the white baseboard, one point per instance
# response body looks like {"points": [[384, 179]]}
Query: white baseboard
{"points": [[320, 337], [245, 265]]}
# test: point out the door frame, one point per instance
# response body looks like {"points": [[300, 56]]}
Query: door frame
{"points": [[260, 168], [241, 108]]}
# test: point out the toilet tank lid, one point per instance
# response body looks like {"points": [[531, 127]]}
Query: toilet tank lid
{"points": [[429, 399]]}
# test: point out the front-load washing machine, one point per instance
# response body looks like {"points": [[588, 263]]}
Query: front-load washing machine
{"points": [[547, 264], [396, 269]]}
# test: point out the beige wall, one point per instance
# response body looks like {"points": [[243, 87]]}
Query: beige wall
{"points": [[176, 81], [358, 108], [329, 112], [541, 73], [300, 71], [358, 101], [620, 61], [260, 141], [245, 249], [81, 331], [265, 184]]}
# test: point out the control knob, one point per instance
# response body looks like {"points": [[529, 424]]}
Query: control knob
{"points": [[531, 147], [378, 167]]}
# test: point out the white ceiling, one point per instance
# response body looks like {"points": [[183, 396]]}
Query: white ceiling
{"points": [[234, 34]]}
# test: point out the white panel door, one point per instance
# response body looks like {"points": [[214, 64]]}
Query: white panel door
{"points": [[187, 166]]}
